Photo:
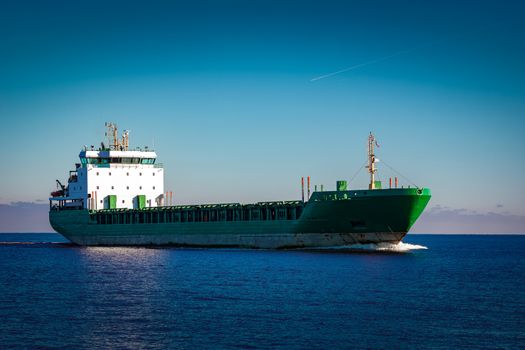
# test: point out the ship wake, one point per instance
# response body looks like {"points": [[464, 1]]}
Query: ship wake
{"points": [[400, 247], [383, 247]]}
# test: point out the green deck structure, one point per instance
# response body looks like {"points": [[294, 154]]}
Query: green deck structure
{"points": [[112, 201]]}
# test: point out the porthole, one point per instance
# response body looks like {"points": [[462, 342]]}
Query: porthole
{"points": [[97, 187], [112, 187]]}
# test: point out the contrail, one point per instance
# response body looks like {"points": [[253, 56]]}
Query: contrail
{"points": [[365, 64]]}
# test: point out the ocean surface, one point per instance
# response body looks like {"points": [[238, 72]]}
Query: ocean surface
{"points": [[462, 291]]}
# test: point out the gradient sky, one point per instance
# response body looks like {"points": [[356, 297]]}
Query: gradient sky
{"points": [[223, 90]]}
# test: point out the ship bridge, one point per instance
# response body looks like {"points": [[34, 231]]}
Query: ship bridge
{"points": [[114, 177], [117, 157]]}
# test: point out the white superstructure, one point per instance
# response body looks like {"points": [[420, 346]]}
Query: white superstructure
{"points": [[115, 177]]}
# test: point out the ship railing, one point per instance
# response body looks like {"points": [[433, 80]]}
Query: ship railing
{"points": [[279, 203], [357, 194], [65, 203]]}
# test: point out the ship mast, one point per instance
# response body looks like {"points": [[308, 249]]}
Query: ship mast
{"points": [[112, 136], [371, 161], [114, 143], [125, 140]]}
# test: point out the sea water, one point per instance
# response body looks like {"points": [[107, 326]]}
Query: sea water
{"points": [[431, 291]]}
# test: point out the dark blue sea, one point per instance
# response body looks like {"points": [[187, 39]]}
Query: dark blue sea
{"points": [[463, 291]]}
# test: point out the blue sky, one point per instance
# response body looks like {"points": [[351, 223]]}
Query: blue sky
{"points": [[223, 90]]}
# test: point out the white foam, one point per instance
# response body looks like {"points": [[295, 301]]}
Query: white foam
{"points": [[389, 247]]}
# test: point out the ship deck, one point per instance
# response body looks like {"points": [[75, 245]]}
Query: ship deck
{"points": [[262, 211]]}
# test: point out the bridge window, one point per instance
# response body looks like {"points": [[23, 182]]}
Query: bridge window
{"points": [[129, 160]]}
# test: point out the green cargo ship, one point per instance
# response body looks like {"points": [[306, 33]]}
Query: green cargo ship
{"points": [[115, 196]]}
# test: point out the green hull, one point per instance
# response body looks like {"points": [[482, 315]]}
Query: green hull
{"points": [[327, 219]]}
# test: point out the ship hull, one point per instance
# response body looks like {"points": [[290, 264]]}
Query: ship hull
{"points": [[179, 236], [329, 219]]}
